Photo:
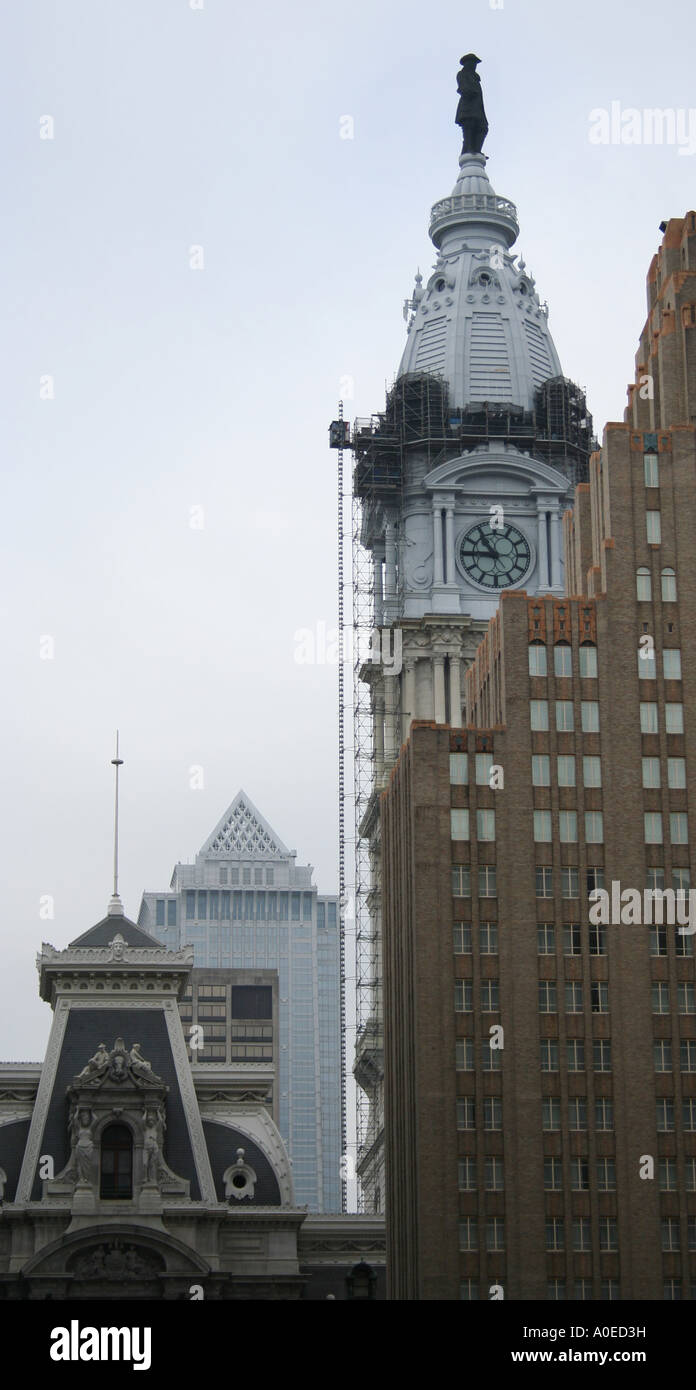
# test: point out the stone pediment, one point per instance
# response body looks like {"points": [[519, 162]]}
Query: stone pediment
{"points": [[508, 468], [119, 1067]]}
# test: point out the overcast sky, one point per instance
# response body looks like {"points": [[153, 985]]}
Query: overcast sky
{"points": [[177, 388]]}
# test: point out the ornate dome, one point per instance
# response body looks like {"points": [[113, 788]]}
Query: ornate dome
{"points": [[478, 322]]}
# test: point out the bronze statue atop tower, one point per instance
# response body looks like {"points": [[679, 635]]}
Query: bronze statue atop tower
{"points": [[470, 113]]}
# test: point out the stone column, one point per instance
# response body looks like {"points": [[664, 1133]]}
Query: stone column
{"points": [[556, 580], [455, 692], [379, 734], [439, 689], [543, 558], [449, 545], [408, 703], [437, 543], [390, 731]]}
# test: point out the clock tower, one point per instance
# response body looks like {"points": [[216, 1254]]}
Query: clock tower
{"points": [[459, 488]]}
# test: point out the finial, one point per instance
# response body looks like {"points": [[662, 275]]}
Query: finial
{"points": [[470, 113], [116, 906]]}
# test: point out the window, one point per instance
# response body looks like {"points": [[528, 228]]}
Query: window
{"points": [[670, 1233], [562, 660], [643, 585], [565, 770], [590, 716], [652, 528], [671, 663], [459, 769], [466, 1116], [669, 586], [573, 997], [485, 825], [687, 1055], [610, 1290], [547, 997], [468, 1290], [686, 1003], [459, 817], [171, 912], [599, 996], [544, 880], [647, 666], [660, 997], [542, 826], [664, 1115], [467, 1174], [487, 884], [549, 1054], [689, 1115], [545, 939], [655, 878], [491, 1057], [494, 1175], [678, 828], [539, 714], [606, 1175], [651, 772], [575, 1053], [461, 933], [159, 913], [564, 716], [598, 941], [461, 881], [650, 466], [489, 996], [658, 941], [553, 1175], [604, 1114], [463, 1001], [668, 1175], [488, 938], [674, 718], [190, 905], [568, 827], [570, 887], [537, 659], [652, 823], [592, 771], [594, 827], [588, 662], [676, 773], [484, 763], [582, 1238], [541, 775], [608, 1234], [595, 878], [495, 1233], [662, 1055], [648, 717], [555, 1239], [555, 1290], [690, 1174], [492, 1113], [577, 1113], [601, 1054], [464, 1054], [468, 1233], [116, 1166], [583, 1290], [550, 1113]]}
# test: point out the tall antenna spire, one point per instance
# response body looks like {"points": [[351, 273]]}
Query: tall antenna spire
{"points": [[116, 906]]}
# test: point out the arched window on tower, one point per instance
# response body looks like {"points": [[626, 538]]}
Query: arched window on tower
{"points": [[116, 1167], [643, 585], [669, 586]]}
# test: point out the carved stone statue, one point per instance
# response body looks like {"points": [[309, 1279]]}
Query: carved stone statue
{"points": [[96, 1065], [140, 1069], [83, 1155], [152, 1152], [470, 112]]}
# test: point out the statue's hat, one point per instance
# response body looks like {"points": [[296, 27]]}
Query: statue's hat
{"points": [[469, 58]]}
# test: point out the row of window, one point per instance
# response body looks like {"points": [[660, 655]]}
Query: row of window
{"points": [[214, 905], [575, 1054], [568, 827], [655, 880], [565, 771], [671, 664], [556, 1290], [577, 1114], [565, 716], [607, 1233], [668, 585], [649, 718], [562, 660], [459, 823]]}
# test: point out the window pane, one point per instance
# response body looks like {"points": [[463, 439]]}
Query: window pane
{"points": [[566, 771], [651, 772], [669, 586], [652, 528], [674, 718], [676, 772], [648, 717], [564, 716], [588, 662], [643, 586], [562, 660], [539, 714], [542, 826], [651, 470], [459, 817], [671, 662], [590, 716], [541, 776], [592, 771], [459, 769], [537, 659]]}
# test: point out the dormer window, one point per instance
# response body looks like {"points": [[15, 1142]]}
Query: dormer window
{"points": [[116, 1167]]}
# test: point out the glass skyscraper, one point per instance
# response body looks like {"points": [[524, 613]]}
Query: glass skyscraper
{"points": [[245, 903]]}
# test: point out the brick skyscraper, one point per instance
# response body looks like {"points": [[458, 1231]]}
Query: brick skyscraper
{"points": [[557, 1158]]}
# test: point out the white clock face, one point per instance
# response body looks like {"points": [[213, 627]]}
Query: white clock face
{"points": [[494, 558]]}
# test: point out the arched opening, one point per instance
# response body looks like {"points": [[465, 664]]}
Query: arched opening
{"points": [[116, 1168]]}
